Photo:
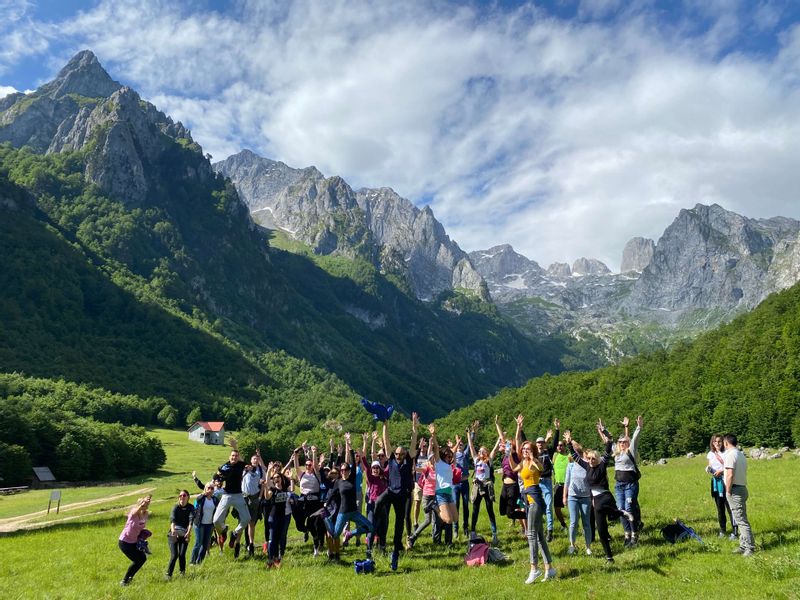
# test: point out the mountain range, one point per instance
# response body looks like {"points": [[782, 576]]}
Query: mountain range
{"points": [[709, 265]]}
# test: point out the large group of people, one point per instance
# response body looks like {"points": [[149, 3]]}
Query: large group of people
{"points": [[427, 485]]}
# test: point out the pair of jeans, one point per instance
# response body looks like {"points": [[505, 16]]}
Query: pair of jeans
{"points": [[335, 529], [177, 552], [546, 485], [276, 524], [462, 501], [534, 530], [202, 540], [138, 558], [628, 500], [380, 524], [580, 507], [737, 500], [226, 502]]}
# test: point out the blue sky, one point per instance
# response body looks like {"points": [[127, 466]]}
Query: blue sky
{"points": [[563, 127]]}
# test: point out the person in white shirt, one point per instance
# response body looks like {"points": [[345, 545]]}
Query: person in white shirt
{"points": [[736, 490]]}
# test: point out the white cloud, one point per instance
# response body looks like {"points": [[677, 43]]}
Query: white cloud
{"points": [[562, 138], [5, 90]]}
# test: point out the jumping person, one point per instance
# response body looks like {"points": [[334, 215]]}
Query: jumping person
{"points": [[137, 519], [204, 507], [597, 476], [275, 496], [416, 497], [462, 489], [529, 470], [445, 499], [309, 501], [399, 473], [510, 491], [626, 477], [560, 464], [231, 474], [736, 491], [345, 489], [252, 479], [483, 489], [716, 468], [180, 531], [376, 485]]}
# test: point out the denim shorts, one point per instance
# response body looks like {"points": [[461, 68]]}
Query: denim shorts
{"points": [[445, 496]]}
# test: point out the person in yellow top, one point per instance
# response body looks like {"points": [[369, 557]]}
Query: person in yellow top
{"points": [[529, 470]]}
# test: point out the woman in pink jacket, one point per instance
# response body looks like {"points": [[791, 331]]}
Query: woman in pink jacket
{"points": [[128, 539]]}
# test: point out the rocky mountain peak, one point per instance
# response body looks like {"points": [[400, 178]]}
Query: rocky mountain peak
{"points": [[558, 269], [589, 266], [82, 75], [637, 255]]}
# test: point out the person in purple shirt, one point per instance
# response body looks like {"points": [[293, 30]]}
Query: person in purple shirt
{"points": [[137, 519]]}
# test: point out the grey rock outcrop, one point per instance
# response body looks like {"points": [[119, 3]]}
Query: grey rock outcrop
{"points": [[83, 107], [637, 254], [332, 218], [589, 266], [559, 270]]}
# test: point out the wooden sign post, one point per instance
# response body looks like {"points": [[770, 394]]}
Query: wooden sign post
{"points": [[55, 496]]}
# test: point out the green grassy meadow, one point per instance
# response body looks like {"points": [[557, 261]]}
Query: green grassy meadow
{"points": [[79, 558]]}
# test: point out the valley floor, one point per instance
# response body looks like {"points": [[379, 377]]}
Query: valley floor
{"points": [[78, 557]]}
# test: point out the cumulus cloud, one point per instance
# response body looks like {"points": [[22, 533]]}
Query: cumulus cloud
{"points": [[563, 137]]}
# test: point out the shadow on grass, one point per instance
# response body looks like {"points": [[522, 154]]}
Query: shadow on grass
{"points": [[112, 517]]}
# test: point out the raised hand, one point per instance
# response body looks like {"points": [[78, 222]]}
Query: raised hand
{"points": [[414, 420], [520, 420], [347, 436], [625, 421], [557, 424], [568, 436], [639, 421], [432, 429]]}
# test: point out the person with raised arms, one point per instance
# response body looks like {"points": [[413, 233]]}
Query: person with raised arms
{"points": [[626, 477], [400, 475], [510, 491], [597, 476], [275, 496], [445, 498], [462, 489], [577, 496], [529, 470], [231, 474], [483, 489], [134, 526], [309, 500], [205, 504], [546, 479], [252, 479]]}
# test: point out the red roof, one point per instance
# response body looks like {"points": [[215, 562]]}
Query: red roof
{"points": [[210, 425]]}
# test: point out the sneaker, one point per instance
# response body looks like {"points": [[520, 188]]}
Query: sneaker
{"points": [[316, 552], [550, 575], [237, 547], [167, 577], [571, 550], [124, 582], [369, 554], [733, 536], [722, 534], [609, 560], [747, 552], [533, 575], [410, 542], [627, 543], [395, 558], [588, 552], [549, 535], [738, 550]]}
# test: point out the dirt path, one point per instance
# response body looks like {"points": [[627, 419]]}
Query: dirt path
{"points": [[21, 522]]}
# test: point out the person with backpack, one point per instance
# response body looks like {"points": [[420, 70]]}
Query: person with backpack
{"points": [[596, 466], [626, 477], [483, 482], [716, 468], [204, 506], [529, 470]]}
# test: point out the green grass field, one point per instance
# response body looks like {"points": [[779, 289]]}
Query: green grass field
{"points": [[79, 558]]}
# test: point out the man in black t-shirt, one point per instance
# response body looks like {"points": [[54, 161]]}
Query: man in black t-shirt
{"points": [[231, 474]]}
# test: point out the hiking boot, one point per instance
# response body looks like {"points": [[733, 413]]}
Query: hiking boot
{"points": [[395, 558], [533, 575], [550, 575]]}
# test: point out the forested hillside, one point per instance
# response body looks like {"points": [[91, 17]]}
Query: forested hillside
{"points": [[743, 377]]}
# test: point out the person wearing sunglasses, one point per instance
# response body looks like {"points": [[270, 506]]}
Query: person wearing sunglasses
{"points": [[204, 506], [275, 496], [309, 501], [180, 530]]}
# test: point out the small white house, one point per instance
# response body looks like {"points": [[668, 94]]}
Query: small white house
{"points": [[208, 432]]}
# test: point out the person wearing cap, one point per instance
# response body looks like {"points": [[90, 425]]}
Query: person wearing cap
{"points": [[626, 477], [546, 476]]}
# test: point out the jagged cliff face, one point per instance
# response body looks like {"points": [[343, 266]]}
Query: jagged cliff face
{"points": [[84, 109], [713, 259], [376, 224], [709, 265]]}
